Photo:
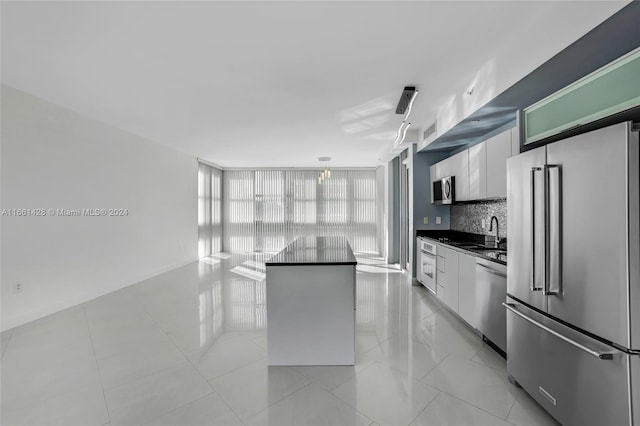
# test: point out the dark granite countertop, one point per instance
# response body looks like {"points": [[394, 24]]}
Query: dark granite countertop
{"points": [[315, 251], [472, 243]]}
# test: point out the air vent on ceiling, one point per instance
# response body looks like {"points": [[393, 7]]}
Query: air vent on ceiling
{"points": [[430, 130]]}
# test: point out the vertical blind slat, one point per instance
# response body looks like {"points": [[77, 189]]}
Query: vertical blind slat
{"points": [[266, 209], [209, 210]]}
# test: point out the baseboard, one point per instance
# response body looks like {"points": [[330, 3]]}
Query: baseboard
{"points": [[26, 317]]}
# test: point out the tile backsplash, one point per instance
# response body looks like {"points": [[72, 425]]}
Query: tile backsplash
{"points": [[468, 217]]}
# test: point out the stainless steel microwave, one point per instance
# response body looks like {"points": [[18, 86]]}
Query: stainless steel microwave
{"points": [[444, 190]]}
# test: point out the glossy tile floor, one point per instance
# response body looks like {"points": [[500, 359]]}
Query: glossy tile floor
{"points": [[188, 347]]}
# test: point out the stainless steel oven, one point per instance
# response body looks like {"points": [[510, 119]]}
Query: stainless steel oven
{"points": [[427, 252]]}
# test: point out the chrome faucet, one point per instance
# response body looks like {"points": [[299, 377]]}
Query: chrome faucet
{"points": [[497, 229]]}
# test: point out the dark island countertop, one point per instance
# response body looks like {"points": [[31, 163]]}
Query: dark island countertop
{"points": [[315, 251]]}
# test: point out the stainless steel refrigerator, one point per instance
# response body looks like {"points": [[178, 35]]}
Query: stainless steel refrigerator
{"points": [[573, 277]]}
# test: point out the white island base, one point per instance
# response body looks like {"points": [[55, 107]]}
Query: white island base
{"points": [[311, 313]]}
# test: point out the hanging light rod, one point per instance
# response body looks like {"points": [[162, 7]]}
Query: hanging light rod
{"points": [[404, 132], [406, 99], [404, 107]]}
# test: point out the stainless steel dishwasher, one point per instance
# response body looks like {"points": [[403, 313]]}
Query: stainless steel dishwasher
{"points": [[491, 292]]}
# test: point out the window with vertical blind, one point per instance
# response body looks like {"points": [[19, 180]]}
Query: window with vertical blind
{"points": [[264, 210], [209, 210]]}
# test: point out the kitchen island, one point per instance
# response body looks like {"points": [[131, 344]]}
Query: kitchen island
{"points": [[311, 287]]}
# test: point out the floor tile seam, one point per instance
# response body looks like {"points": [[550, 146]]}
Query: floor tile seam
{"points": [[145, 376], [498, 369], [422, 379], [500, 372], [135, 345], [426, 406], [365, 367], [94, 322], [474, 405], [419, 379], [243, 420], [270, 404], [135, 349], [151, 421], [67, 340], [339, 399], [380, 341], [348, 404], [187, 359], [420, 342], [230, 371], [413, 380], [427, 316], [512, 405], [157, 372], [479, 408], [8, 342], [104, 395], [236, 370], [43, 398], [477, 352]]}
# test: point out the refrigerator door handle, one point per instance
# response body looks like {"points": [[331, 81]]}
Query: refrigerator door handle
{"points": [[532, 180], [553, 199], [600, 355]]}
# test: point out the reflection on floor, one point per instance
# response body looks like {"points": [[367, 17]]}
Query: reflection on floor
{"points": [[188, 347]]}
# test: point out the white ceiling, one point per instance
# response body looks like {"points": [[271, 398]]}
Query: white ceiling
{"points": [[270, 84]]}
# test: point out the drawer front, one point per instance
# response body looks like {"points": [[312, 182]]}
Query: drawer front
{"points": [[574, 386], [440, 263], [441, 293]]}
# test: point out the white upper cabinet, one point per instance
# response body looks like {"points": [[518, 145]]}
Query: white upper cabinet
{"points": [[433, 177], [515, 141], [460, 169], [457, 166], [498, 150], [478, 172]]}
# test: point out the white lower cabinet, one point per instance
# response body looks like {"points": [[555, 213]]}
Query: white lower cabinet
{"points": [[441, 274], [447, 277], [467, 288], [456, 279]]}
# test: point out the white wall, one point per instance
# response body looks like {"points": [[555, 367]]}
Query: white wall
{"points": [[54, 158]]}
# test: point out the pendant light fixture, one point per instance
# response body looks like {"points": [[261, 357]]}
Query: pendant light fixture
{"points": [[404, 107], [326, 171]]}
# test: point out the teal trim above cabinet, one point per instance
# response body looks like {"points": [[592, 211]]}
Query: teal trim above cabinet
{"points": [[607, 91]]}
